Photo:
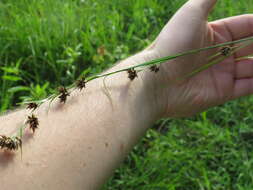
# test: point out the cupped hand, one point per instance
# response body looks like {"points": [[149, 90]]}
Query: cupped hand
{"points": [[187, 30]]}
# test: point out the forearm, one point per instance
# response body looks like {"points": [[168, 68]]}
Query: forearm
{"points": [[79, 144]]}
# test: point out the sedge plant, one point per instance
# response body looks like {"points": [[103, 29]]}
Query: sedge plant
{"points": [[225, 50]]}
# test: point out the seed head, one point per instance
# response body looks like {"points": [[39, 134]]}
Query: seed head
{"points": [[132, 74], [63, 94], [81, 83], [225, 51], [9, 143], [32, 106], [33, 122], [154, 68]]}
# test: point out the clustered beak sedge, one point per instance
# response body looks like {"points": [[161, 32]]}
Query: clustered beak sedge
{"points": [[226, 50]]}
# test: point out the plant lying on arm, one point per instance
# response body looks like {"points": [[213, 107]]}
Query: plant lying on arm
{"points": [[224, 50]]}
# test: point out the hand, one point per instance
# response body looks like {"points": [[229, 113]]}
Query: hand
{"points": [[187, 30]]}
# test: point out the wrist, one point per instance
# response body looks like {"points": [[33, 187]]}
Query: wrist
{"points": [[151, 84]]}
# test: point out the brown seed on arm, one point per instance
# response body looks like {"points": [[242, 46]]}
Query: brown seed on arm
{"points": [[32, 106], [225, 51], [9, 143], [132, 74], [63, 94], [80, 84], [33, 122], [154, 68]]}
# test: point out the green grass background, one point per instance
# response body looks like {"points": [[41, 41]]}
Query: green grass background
{"points": [[47, 43]]}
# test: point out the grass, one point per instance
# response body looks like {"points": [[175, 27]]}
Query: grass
{"points": [[51, 42]]}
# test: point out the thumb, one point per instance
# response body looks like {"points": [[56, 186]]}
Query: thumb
{"points": [[189, 23], [203, 7]]}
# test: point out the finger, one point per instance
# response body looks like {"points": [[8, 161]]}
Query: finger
{"points": [[244, 69], [234, 28], [243, 87]]}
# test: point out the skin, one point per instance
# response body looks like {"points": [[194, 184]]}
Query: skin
{"points": [[79, 144]]}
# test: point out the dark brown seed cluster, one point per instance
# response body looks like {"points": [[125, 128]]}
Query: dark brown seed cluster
{"points": [[32, 106], [33, 122], [225, 51], [9, 143], [63, 94], [132, 74], [154, 68], [81, 83]]}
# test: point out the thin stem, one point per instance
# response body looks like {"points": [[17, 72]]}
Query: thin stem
{"points": [[167, 58], [245, 57], [162, 60], [206, 66]]}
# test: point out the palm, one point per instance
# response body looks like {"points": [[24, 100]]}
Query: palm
{"points": [[231, 78], [218, 82], [224, 81]]}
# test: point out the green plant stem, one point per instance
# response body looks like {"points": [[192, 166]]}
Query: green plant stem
{"points": [[218, 60], [167, 58], [162, 60], [157, 61], [245, 57]]}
